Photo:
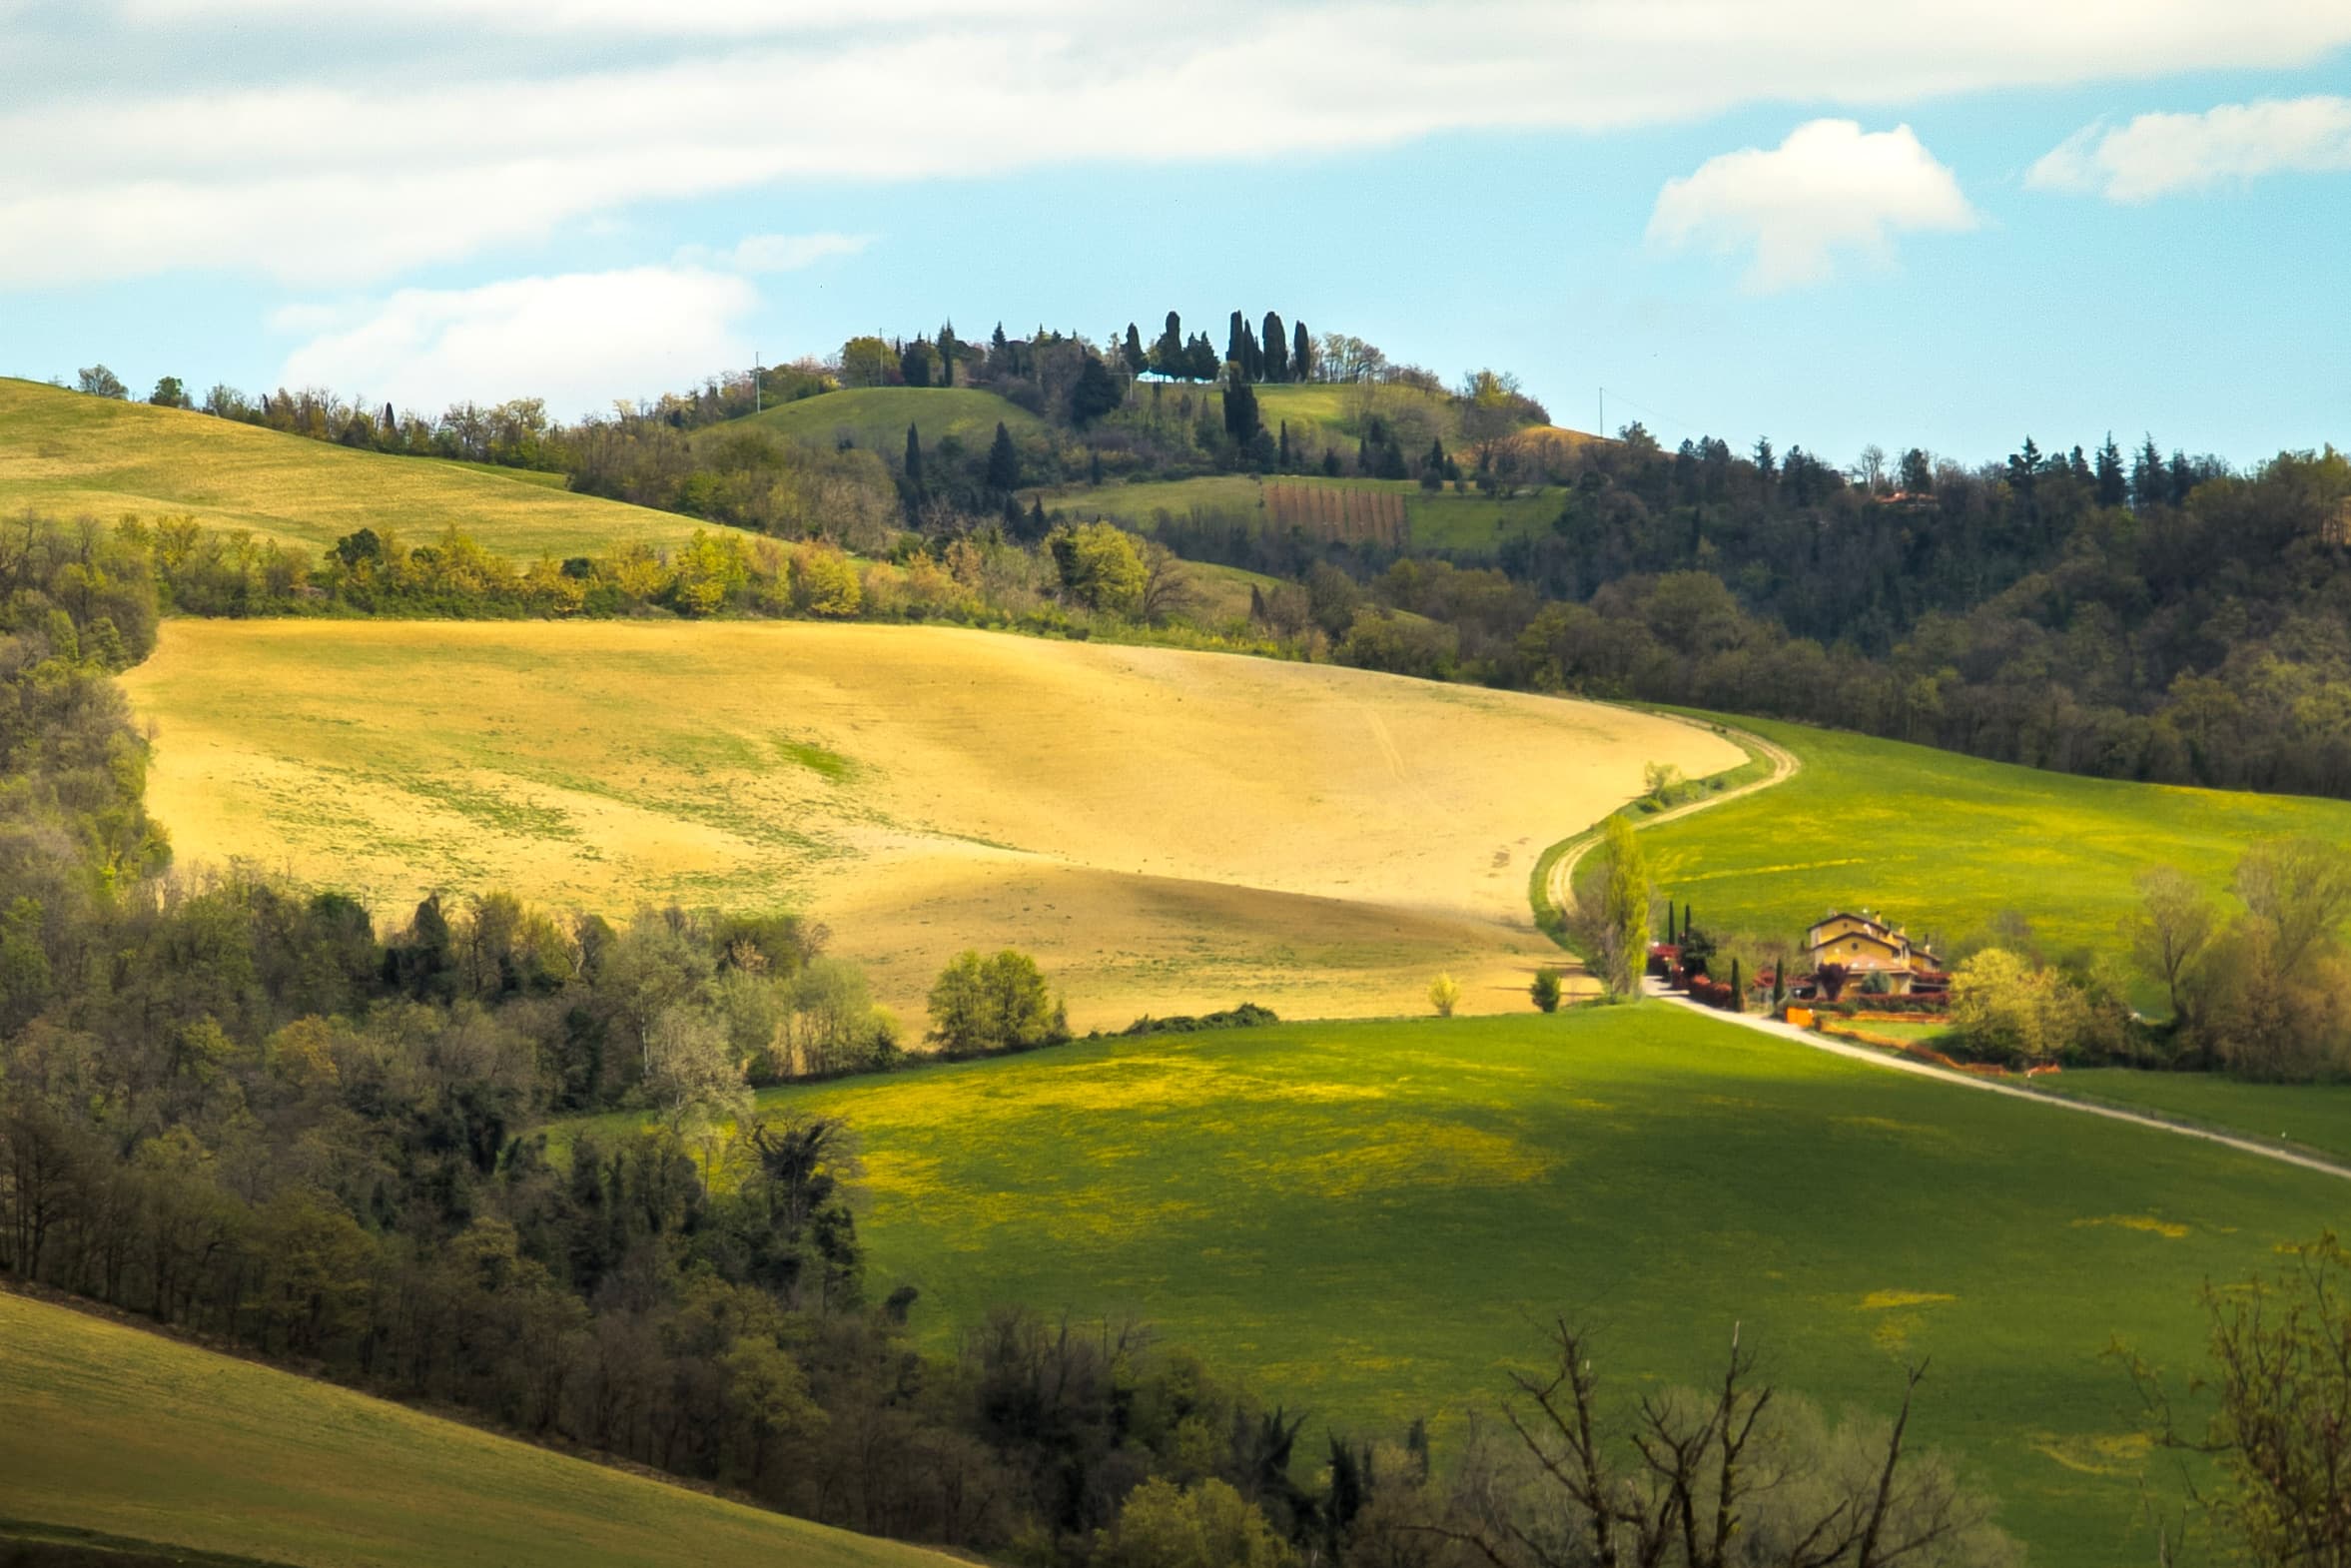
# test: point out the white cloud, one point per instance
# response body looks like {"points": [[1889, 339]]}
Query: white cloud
{"points": [[2160, 154], [1830, 186], [360, 150], [776, 253], [579, 340]]}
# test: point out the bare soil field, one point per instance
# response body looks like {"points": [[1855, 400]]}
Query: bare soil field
{"points": [[1167, 831]]}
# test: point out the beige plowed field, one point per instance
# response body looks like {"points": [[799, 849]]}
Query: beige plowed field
{"points": [[1165, 831]]}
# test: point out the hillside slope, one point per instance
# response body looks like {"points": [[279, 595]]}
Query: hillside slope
{"points": [[70, 456], [876, 418], [1946, 842], [1168, 831], [108, 1429], [1375, 1219]]}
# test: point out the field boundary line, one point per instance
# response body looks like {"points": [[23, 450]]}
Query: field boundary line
{"points": [[1551, 886], [1774, 1027]]}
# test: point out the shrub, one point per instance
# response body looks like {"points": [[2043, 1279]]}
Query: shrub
{"points": [[1444, 994], [1545, 990], [983, 1006]]}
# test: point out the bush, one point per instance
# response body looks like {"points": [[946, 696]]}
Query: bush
{"points": [[1444, 994], [1545, 990], [1246, 1016]]}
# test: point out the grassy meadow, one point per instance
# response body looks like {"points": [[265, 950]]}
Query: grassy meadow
{"points": [[1167, 831], [69, 455], [1942, 842], [876, 418], [1373, 1219], [2314, 1117], [127, 1435]]}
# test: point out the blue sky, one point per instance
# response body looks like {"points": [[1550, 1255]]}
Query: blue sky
{"points": [[1833, 224]]}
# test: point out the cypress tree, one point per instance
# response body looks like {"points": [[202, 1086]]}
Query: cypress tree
{"points": [[1171, 355], [1236, 343], [1301, 355], [1137, 361], [1331, 463], [1004, 461], [1093, 466], [914, 458], [1276, 344], [1036, 524], [1738, 987], [1284, 441]]}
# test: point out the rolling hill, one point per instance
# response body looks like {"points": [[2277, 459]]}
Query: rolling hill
{"points": [[70, 456], [135, 1439], [876, 418], [1375, 1220], [1167, 831]]}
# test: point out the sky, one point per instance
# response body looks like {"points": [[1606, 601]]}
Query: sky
{"points": [[1834, 223]]}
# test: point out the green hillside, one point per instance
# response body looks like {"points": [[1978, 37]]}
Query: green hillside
{"points": [[876, 418], [70, 456], [130, 1435], [1946, 842], [1374, 1219], [1444, 519]]}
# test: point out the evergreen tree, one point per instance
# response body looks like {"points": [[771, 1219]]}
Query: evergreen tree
{"points": [[1240, 409], [1037, 528], [1391, 461], [1285, 453], [1235, 345], [391, 422], [1252, 355], [1094, 395], [2149, 484], [1171, 356], [1301, 355], [1331, 463], [1138, 362], [1203, 359], [2110, 491], [1093, 466], [914, 459], [950, 349], [1277, 345], [1004, 462]]}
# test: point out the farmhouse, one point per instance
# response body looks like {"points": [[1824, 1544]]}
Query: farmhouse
{"points": [[1863, 946]]}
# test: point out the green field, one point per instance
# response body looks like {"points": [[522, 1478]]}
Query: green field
{"points": [[70, 456], [876, 418], [1448, 519], [1942, 843], [2315, 1117], [105, 1428], [1374, 1219]]}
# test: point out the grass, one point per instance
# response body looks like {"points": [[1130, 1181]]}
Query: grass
{"points": [[1447, 520], [1373, 1219], [127, 1435], [1168, 832], [876, 418], [1942, 842], [2315, 1117], [70, 456]]}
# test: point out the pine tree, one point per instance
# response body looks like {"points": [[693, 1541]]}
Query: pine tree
{"points": [[1277, 345], [1094, 395], [2110, 491], [1004, 462], [1038, 528], [1301, 355], [1203, 359]]}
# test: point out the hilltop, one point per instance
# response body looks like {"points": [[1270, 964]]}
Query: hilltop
{"points": [[67, 456]]}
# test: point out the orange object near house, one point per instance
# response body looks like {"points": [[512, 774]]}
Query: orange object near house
{"points": [[1802, 1017]]}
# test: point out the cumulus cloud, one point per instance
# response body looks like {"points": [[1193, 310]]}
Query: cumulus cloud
{"points": [[2163, 154], [578, 340], [777, 253], [348, 144], [1830, 186]]}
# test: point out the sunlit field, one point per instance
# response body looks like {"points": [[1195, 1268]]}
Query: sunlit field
{"points": [[1375, 1220], [70, 456], [1165, 831]]}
